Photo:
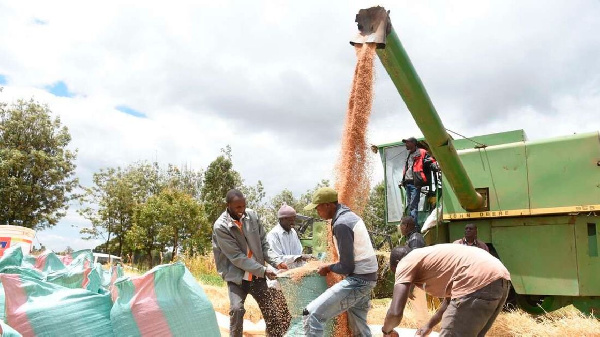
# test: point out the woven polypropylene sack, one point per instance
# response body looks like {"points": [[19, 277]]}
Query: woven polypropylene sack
{"points": [[10, 263], [13, 257], [78, 274], [38, 308], [298, 294], [15, 270], [7, 331], [108, 277], [46, 262], [87, 253], [165, 301]]}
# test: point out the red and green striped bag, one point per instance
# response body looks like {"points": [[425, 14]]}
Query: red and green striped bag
{"points": [[38, 308], [165, 301]]}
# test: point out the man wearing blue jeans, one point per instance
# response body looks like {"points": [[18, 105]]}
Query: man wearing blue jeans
{"points": [[413, 196], [418, 163], [357, 262]]}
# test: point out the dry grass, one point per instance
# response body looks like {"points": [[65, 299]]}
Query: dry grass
{"points": [[565, 322], [203, 268], [561, 323]]}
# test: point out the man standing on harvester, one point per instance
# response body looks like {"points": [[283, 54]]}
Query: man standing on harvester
{"points": [[418, 162], [241, 249], [357, 261]]}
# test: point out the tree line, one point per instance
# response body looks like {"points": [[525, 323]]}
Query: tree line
{"points": [[144, 212]]}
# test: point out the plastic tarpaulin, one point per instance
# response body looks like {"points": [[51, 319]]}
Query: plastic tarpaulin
{"points": [[38, 308], [395, 159], [165, 301]]}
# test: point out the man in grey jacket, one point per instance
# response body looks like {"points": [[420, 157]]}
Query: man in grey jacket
{"points": [[357, 261], [240, 248]]}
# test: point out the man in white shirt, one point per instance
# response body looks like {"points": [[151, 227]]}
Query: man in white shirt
{"points": [[284, 240]]}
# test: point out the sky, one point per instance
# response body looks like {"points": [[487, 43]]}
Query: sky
{"points": [[178, 81]]}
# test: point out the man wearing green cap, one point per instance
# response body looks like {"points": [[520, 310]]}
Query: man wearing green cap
{"points": [[357, 262]]}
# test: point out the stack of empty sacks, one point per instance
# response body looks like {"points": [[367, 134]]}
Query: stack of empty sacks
{"points": [[41, 296]]}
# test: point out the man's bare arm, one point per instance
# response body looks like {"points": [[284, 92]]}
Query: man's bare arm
{"points": [[396, 310], [434, 320]]}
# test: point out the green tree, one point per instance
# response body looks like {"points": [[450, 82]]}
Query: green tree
{"points": [[255, 196], [111, 201], [374, 213], [37, 170], [219, 178], [182, 219], [144, 234], [183, 179], [169, 219]]}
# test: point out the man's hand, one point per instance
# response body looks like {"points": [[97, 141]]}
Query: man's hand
{"points": [[391, 334], [307, 257], [324, 270], [423, 331], [282, 265], [270, 274]]}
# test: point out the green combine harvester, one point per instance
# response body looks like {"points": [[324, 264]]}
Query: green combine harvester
{"points": [[536, 204]]}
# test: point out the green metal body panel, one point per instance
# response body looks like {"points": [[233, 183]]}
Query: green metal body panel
{"points": [[555, 176], [564, 171], [588, 261], [491, 139], [502, 169], [540, 254]]}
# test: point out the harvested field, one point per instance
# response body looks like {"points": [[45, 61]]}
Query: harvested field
{"points": [[565, 322]]}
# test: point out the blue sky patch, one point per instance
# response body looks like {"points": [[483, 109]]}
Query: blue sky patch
{"points": [[3, 80], [40, 22], [130, 111], [59, 89]]}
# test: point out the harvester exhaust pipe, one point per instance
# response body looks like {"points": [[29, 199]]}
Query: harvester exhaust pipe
{"points": [[374, 26]]}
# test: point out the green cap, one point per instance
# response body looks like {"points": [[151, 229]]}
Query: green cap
{"points": [[323, 195]]}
